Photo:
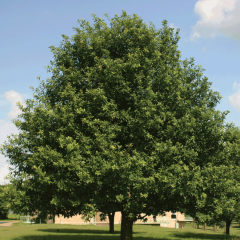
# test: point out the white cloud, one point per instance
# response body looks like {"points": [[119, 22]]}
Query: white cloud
{"points": [[235, 98], [7, 128], [13, 97], [217, 17], [4, 171]]}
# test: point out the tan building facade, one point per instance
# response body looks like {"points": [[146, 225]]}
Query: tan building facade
{"points": [[170, 220], [77, 219]]}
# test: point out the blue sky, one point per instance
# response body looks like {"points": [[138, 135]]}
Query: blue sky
{"points": [[209, 31]]}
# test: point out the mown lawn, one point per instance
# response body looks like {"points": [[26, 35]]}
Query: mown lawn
{"points": [[24, 231], [9, 220]]}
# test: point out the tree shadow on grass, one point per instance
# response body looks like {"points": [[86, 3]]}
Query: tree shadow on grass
{"points": [[75, 230], [200, 236], [111, 237], [55, 233], [104, 236], [66, 237], [81, 236]]}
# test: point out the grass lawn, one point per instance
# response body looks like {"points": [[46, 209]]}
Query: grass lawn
{"points": [[9, 220], [24, 231]]}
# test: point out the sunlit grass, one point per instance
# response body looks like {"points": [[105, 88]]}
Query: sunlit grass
{"points": [[24, 231], [8, 220]]}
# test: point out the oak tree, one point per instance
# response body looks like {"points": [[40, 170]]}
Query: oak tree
{"points": [[122, 121]]}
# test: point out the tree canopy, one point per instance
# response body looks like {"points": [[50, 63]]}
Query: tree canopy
{"points": [[123, 120], [3, 204], [218, 186]]}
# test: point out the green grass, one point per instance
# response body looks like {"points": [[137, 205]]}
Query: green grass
{"points": [[8, 220], [24, 231]]}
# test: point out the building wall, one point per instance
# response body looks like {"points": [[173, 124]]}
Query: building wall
{"points": [[117, 218], [164, 221], [76, 220]]}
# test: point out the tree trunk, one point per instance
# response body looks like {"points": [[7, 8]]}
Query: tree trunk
{"points": [[215, 227], [111, 222], [205, 227], [228, 223], [126, 227]]}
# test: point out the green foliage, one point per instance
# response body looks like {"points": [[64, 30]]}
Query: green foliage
{"points": [[3, 213], [123, 124], [14, 216], [218, 188], [3, 204], [15, 200], [9, 199]]}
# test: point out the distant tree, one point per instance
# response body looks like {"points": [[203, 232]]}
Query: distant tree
{"points": [[13, 199], [3, 204], [217, 190], [121, 120]]}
